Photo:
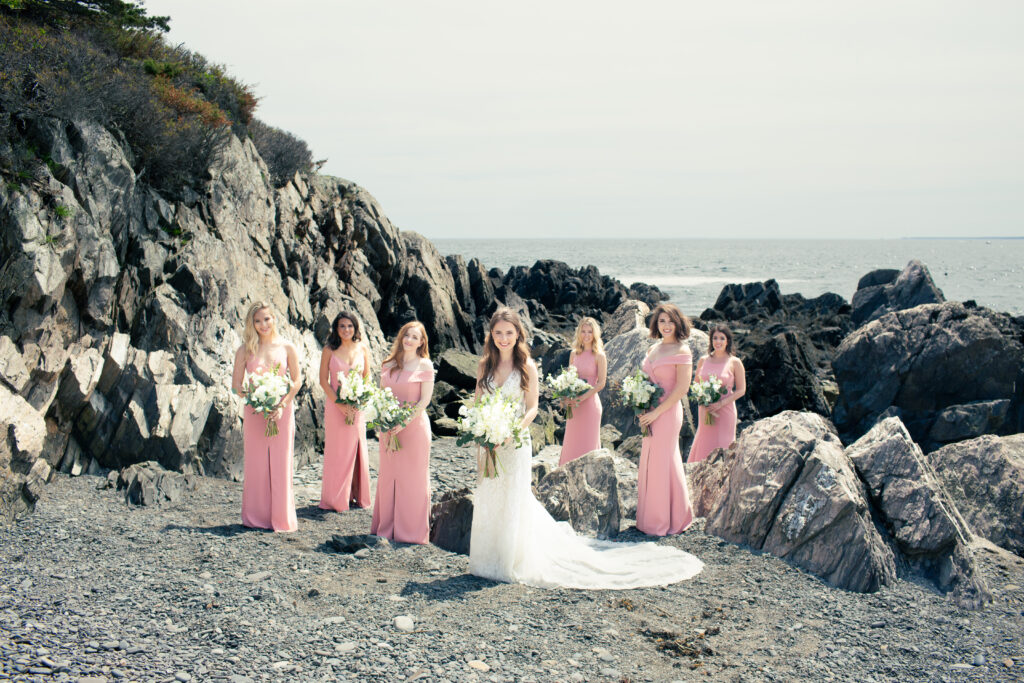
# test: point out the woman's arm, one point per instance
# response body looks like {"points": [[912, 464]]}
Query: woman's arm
{"points": [[238, 373], [325, 372], [366, 360], [532, 392], [293, 372]]}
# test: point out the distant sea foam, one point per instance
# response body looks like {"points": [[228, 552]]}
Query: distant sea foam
{"points": [[693, 272]]}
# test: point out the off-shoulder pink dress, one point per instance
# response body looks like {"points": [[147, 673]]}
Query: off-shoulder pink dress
{"points": [[722, 433], [346, 478], [583, 431], [663, 501], [267, 499], [401, 510]]}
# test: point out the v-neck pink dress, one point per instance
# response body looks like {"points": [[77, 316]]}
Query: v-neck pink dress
{"points": [[401, 509], [267, 499], [663, 500], [346, 477], [722, 433], [583, 431]]}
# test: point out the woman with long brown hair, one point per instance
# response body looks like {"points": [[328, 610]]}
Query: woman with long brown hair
{"points": [[720, 430], [346, 476], [401, 509], [267, 499], [663, 501], [513, 538]]}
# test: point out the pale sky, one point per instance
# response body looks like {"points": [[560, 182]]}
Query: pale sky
{"points": [[645, 119]]}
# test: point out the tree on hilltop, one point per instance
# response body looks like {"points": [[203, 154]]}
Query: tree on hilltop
{"points": [[116, 13]]}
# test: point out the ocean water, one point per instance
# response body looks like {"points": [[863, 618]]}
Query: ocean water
{"points": [[692, 272]]}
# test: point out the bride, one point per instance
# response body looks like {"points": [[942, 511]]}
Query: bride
{"points": [[513, 538]]}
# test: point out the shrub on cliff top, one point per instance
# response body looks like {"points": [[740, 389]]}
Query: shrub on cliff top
{"points": [[284, 153]]}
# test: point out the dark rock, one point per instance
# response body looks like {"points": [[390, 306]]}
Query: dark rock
{"points": [[458, 368], [882, 276], [782, 374], [922, 361], [630, 315], [451, 521], [985, 476], [876, 295], [148, 483], [967, 421], [351, 544]]}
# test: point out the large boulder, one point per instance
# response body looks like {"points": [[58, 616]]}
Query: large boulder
{"points": [[884, 291], [985, 476], [22, 467], [451, 521], [594, 493], [148, 483], [922, 361], [917, 510], [630, 315], [786, 486]]}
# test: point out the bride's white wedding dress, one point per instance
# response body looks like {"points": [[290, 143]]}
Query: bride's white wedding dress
{"points": [[514, 539]]}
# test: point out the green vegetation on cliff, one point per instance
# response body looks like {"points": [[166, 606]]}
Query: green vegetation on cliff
{"points": [[107, 61]]}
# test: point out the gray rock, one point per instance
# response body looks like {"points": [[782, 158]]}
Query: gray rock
{"points": [[922, 361], [150, 484], [917, 510], [985, 477], [629, 316], [786, 487], [594, 493]]}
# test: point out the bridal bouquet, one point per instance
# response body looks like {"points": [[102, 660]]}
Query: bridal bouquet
{"points": [[567, 385], [705, 392], [354, 390], [384, 412], [264, 391], [639, 393], [489, 422]]}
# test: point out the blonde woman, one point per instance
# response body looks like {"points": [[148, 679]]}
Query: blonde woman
{"points": [[583, 430], [401, 510], [267, 500]]}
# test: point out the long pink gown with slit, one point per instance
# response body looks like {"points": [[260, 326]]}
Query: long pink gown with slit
{"points": [[401, 509], [346, 477], [663, 501], [722, 433], [583, 431], [267, 499]]}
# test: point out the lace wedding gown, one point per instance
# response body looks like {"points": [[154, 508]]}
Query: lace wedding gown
{"points": [[514, 539]]}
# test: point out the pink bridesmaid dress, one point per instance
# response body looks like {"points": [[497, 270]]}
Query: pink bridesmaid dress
{"points": [[401, 510], [346, 477], [583, 431], [267, 499], [663, 501], [722, 433]]}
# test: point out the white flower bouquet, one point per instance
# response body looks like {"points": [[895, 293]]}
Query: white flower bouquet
{"points": [[705, 392], [489, 422], [384, 412], [264, 391], [354, 390], [567, 385], [640, 393]]}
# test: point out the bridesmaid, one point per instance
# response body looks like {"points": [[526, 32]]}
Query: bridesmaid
{"points": [[583, 431], [267, 500], [723, 364], [401, 510], [663, 502], [346, 478]]}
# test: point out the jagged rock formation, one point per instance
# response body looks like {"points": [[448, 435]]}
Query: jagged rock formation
{"points": [[948, 370], [884, 291]]}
